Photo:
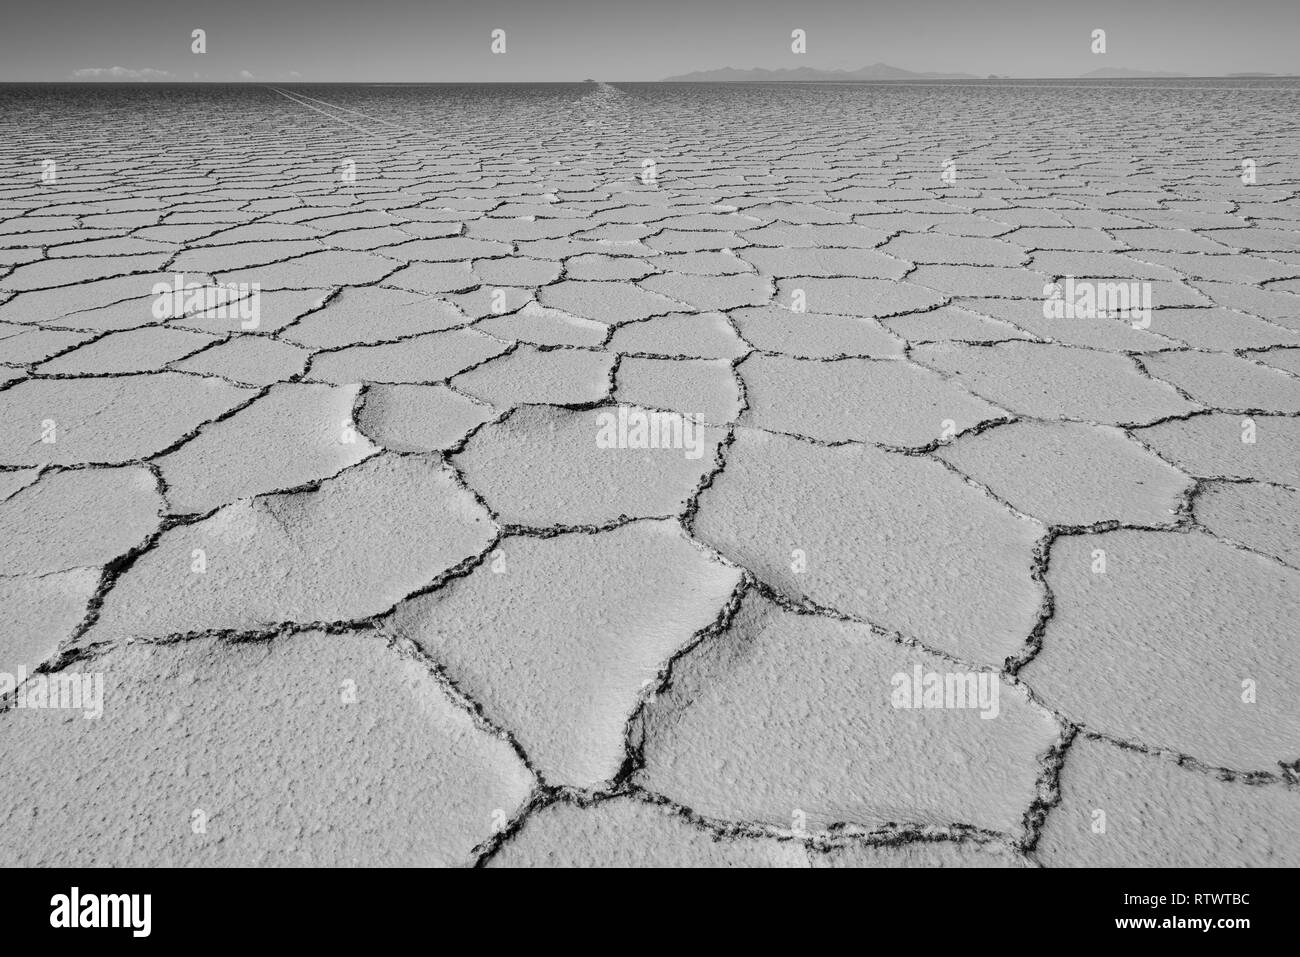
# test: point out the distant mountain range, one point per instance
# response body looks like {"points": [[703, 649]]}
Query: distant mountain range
{"points": [[1124, 73], [883, 71], [877, 71]]}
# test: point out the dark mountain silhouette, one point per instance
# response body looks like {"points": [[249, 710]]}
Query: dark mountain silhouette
{"points": [[1123, 72], [877, 71]]}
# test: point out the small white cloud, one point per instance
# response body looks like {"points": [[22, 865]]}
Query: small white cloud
{"points": [[295, 74], [118, 73], [245, 75]]}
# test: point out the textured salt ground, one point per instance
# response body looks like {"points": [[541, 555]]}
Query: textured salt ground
{"points": [[822, 737], [855, 529], [556, 637], [335, 552], [541, 467], [887, 403], [366, 563], [1241, 606], [314, 749], [1071, 474], [1156, 810]]}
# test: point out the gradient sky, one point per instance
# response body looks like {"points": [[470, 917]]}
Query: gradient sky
{"points": [[566, 40]]}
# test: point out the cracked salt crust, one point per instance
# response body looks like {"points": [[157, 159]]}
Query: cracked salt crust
{"points": [[432, 278], [893, 538], [490, 301], [215, 259], [1288, 360], [1083, 240], [1071, 474], [544, 327], [542, 466], [294, 434], [704, 335], [278, 308], [1100, 265], [808, 335], [813, 292], [869, 298], [786, 719], [530, 375], [20, 345], [824, 262], [1227, 382], [679, 241], [1220, 329], [82, 518], [246, 361], [430, 357], [12, 482], [1280, 307], [602, 267], [108, 421], [368, 315], [301, 557], [137, 350], [951, 324], [315, 270], [979, 281], [1263, 517], [607, 302], [921, 854], [45, 610], [309, 750], [52, 305], [886, 402], [1054, 381], [1107, 335], [517, 271], [802, 235], [65, 272], [1156, 810], [418, 418], [701, 387], [556, 638], [625, 832], [1118, 660], [959, 250], [718, 264], [1229, 446]]}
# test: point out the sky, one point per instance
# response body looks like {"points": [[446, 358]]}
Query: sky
{"points": [[322, 41]]}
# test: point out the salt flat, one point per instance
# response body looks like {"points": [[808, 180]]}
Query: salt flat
{"points": [[582, 474]]}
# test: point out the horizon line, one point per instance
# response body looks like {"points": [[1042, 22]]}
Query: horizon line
{"points": [[919, 78]]}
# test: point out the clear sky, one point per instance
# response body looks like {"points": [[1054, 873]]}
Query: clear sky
{"points": [[565, 40]]}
